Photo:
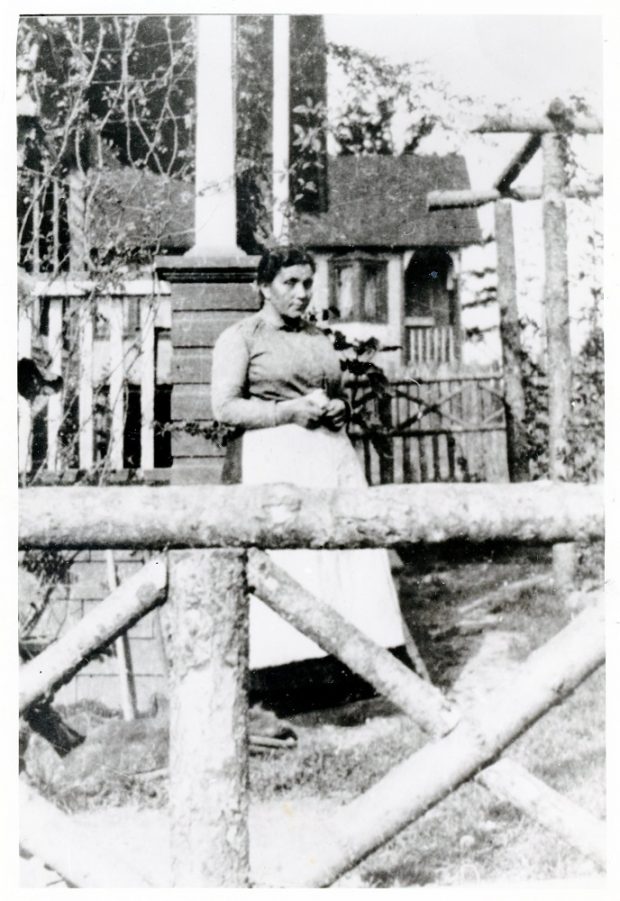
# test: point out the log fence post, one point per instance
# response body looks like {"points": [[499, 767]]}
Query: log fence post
{"points": [[514, 396], [208, 719], [559, 366]]}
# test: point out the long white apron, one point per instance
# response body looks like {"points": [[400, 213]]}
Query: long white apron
{"points": [[357, 583]]}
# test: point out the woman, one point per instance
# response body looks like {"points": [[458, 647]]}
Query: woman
{"points": [[278, 378]]}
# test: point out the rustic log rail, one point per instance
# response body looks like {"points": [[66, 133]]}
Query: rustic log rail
{"points": [[207, 588], [287, 516]]}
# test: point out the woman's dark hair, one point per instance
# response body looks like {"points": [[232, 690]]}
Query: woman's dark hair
{"points": [[277, 258]]}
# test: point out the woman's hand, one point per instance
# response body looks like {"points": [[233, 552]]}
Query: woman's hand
{"points": [[305, 411], [335, 414]]}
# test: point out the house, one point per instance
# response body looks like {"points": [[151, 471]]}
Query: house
{"points": [[386, 266]]}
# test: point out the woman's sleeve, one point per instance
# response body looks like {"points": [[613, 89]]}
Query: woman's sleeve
{"points": [[231, 359]]}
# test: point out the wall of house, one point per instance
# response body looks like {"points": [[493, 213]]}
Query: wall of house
{"points": [[390, 333]]}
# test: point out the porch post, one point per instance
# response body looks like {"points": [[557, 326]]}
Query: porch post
{"points": [[281, 161], [215, 214]]}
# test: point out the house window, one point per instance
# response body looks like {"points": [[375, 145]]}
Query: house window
{"points": [[358, 289]]}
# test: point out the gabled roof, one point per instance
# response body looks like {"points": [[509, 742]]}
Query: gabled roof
{"points": [[374, 201], [380, 201]]}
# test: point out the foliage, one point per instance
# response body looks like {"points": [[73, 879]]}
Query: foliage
{"points": [[586, 430], [105, 92], [374, 90]]}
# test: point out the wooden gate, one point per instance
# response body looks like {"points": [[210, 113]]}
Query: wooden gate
{"points": [[442, 428], [207, 583]]}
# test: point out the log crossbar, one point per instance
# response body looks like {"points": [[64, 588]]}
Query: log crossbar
{"points": [[467, 199], [287, 516], [212, 850]]}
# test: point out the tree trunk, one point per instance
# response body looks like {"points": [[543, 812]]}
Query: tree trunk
{"points": [[208, 719], [510, 334]]}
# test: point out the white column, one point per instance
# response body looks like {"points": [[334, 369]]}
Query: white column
{"points": [[281, 160], [215, 216]]}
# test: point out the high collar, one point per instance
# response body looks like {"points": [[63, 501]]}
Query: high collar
{"points": [[271, 316]]}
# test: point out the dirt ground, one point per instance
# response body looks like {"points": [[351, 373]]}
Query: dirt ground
{"points": [[472, 629]]}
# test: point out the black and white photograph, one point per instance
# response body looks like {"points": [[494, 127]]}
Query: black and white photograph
{"points": [[310, 446]]}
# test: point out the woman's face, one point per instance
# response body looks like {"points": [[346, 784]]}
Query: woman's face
{"points": [[290, 291]]}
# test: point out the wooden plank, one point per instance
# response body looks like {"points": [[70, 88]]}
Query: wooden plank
{"points": [[424, 460], [85, 395], [200, 328], [54, 404], [451, 453], [114, 313], [147, 382], [185, 445], [191, 365], [444, 462], [197, 471], [242, 298], [191, 402], [436, 458]]}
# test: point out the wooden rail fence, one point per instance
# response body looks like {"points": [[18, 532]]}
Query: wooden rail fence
{"points": [[209, 573]]}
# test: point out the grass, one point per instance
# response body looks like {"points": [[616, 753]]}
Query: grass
{"points": [[470, 836]]}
